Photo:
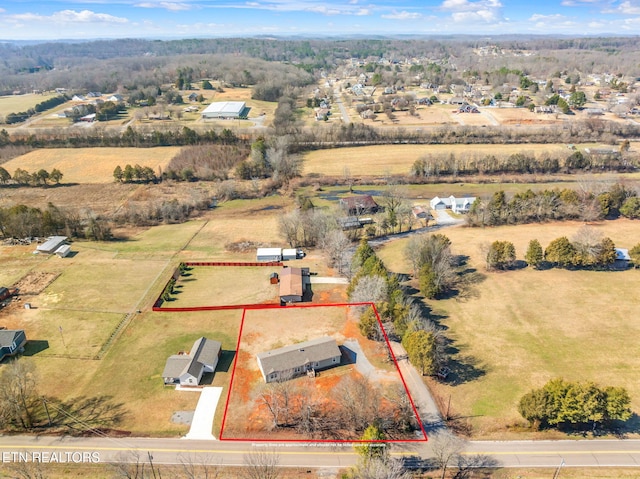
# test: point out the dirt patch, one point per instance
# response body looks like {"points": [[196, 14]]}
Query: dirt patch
{"points": [[245, 246], [35, 282]]}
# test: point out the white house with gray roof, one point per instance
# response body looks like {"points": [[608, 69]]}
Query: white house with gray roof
{"points": [[187, 369], [457, 205], [12, 342], [295, 360]]}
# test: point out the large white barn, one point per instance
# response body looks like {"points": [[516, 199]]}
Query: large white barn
{"points": [[225, 110]]}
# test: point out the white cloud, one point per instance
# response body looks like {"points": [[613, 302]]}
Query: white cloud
{"points": [[403, 15], [68, 16], [626, 8], [487, 11], [171, 6], [323, 8], [577, 3]]}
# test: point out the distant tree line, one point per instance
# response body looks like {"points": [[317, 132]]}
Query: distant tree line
{"points": [[24, 178], [22, 221], [574, 405], [129, 138], [549, 205], [520, 163]]}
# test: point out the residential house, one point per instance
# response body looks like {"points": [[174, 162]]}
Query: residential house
{"points": [[193, 97], [457, 205], [293, 284], [187, 369], [357, 205], [116, 98], [298, 359], [622, 258], [12, 342]]}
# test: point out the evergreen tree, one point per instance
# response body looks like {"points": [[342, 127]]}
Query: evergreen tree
{"points": [[534, 255]]}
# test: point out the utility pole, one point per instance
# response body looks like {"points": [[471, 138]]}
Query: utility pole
{"points": [[151, 464], [557, 473], [46, 408], [62, 336]]}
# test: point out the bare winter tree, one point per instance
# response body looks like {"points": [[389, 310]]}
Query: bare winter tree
{"points": [[278, 398], [336, 245], [197, 466], [446, 449], [18, 393], [260, 464], [379, 468], [131, 465], [27, 470], [370, 288]]}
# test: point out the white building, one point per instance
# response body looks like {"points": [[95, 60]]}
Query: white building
{"points": [[457, 205], [226, 110]]}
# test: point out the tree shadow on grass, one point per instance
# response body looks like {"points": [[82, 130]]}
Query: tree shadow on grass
{"points": [[83, 415]]}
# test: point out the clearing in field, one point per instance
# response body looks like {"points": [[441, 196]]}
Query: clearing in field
{"points": [[513, 331], [91, 165], [397, 159], [363, 386]]}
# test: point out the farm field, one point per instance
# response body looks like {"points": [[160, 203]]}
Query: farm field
{"points": [[397, 159], [18, 103], [91, 165], [246, 416], [513, 331]]}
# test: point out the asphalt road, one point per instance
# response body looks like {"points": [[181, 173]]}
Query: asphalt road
{"points": [[522, 454]]}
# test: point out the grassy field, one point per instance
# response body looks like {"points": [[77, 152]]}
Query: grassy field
{"points": [[18, 103], [91, 165], [397, 159], [209, 286], [513, 331]]}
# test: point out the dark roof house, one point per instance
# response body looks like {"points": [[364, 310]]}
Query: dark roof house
{"points": [[11, 342], [295, 360], [357, 205], [187, 369]]}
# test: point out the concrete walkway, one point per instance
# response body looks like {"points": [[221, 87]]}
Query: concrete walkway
{"points": [[202, 424]]}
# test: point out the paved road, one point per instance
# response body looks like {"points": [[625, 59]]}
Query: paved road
{"points": [[523, 454], [343, 110]]}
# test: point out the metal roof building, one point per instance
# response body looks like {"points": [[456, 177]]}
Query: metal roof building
{"points": [[225, 110]]}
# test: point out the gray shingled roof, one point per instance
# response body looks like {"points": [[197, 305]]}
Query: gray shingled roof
{"points": [[204, 351], [288, 357], [8, 336]]}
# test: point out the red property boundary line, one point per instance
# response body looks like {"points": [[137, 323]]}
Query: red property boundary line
{"points": [[393, 357]]}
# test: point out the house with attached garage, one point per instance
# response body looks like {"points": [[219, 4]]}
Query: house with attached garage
{"points": [[187, 369], [457, 205], [11, 342], [299, 359]]}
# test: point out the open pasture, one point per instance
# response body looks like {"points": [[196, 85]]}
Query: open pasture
{"points": [[515, 330], [397, 159], [18, 103], [91, 165]]}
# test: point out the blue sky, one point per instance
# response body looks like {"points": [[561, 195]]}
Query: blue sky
{"points": [[81, 19]]}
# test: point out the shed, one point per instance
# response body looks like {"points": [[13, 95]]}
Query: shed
{"points": [[63, 251], [51, 245], [295, 360]]}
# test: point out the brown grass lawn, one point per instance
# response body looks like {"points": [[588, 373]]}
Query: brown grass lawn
{"points": [[91, 165], [397, 159], [515, 330]]}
